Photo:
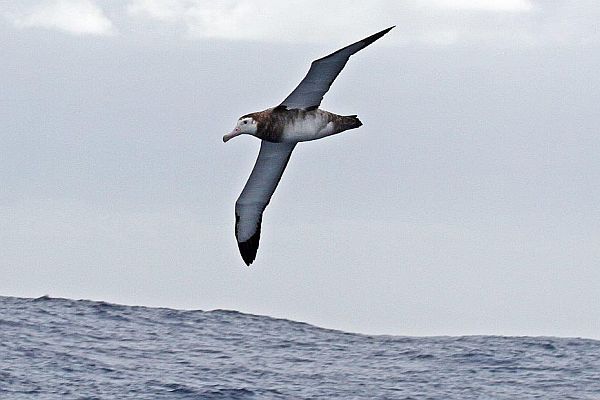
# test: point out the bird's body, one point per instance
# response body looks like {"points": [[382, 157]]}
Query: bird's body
{"points": [[297, 119], [292, 126]]}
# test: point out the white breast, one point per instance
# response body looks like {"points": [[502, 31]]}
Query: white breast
{"points": [[310, 126]]}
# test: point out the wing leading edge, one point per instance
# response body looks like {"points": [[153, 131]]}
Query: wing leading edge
{"points": [[310, 91]]}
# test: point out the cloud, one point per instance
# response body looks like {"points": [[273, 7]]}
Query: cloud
{"points": [[260, 20], [482, 5], [80, 17], [420, 22], [435, 23], [161, 10]]}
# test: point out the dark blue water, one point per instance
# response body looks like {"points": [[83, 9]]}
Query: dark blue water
{"points": [[62, 349]]}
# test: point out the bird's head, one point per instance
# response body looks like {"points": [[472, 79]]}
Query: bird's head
{"points": [[246, 125]]}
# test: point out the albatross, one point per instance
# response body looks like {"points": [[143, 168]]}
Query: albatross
{"points": [[297, 119]]}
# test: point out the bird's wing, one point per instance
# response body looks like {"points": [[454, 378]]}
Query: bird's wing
{"points": [[249, 207], [310, 91]]}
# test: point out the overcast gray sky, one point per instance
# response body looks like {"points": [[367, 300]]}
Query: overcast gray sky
{"points": [[468, 203]]}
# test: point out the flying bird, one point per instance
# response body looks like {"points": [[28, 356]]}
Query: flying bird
{"points": [[297, 119]]}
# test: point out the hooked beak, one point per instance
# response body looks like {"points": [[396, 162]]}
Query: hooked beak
{"points": [[231, 135]]}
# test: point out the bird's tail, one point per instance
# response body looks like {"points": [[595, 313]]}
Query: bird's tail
{"points": [[350, 122]]}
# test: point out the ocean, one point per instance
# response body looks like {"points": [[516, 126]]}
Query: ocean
{"points": [[78, 349]]}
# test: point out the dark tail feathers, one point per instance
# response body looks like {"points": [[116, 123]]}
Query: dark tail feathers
{"points": [[350, 122]]}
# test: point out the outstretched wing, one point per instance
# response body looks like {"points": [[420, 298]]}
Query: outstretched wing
{"points": [[309, 93], [249, 207]]}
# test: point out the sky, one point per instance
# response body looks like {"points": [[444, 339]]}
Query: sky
{"points": [[468, 203]]}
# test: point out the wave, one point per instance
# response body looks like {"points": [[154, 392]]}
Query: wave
{"points": [[62, 348]]}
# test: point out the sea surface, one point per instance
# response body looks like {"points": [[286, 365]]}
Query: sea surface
{"points": [[78, 349]]}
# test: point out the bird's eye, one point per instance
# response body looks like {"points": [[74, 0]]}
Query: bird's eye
{"points": [[245, 122]]}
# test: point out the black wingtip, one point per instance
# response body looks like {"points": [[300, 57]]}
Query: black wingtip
{"points": [[377, 35], [249, 248]]}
